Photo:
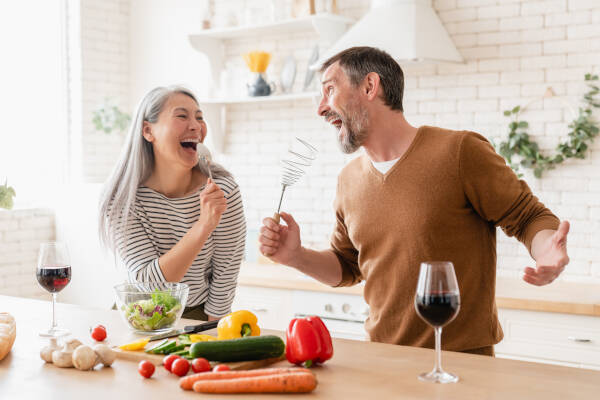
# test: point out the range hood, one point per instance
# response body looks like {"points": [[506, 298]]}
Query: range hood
{"points": [[409, 30]]}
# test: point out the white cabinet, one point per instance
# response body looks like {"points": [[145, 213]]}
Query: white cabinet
{"points": [[273, 307], [564, 339]]}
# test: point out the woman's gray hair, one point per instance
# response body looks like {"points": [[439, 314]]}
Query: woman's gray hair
{"points": [[135, 166]]}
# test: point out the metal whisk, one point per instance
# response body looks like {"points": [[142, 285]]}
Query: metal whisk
{"points": [[293, 169]]}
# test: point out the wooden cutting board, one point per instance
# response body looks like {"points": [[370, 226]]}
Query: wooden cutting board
{"points": [[156, 359]]}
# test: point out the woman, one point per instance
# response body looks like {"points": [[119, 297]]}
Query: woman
{"points": [[163, 216]]}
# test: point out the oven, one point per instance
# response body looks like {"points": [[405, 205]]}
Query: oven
{"points": [[343, 314]]}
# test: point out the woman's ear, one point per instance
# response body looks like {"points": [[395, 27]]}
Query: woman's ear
{"points": [[147, 132]]}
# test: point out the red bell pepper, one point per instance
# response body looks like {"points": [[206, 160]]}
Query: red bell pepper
{"points": [[308, 341]]}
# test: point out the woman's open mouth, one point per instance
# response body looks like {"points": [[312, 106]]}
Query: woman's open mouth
{"points": [[189, 144]]}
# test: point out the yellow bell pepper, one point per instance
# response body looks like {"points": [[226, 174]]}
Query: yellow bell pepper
{"points": [[238, 324], [135, 346], [201, 338]]}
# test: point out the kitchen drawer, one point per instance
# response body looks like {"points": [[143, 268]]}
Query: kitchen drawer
{"points": [[272, 306], [564, 339]]}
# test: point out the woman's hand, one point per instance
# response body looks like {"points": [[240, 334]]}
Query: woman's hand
{"points": [[213, 204]]}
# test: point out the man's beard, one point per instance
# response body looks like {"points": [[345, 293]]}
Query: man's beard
{"points": [[355, 125]]}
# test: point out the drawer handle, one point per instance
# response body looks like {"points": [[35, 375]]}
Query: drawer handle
{"points": [[579, 340], [259, 309]]}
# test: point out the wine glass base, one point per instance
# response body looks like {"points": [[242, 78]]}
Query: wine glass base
{"points": [[55, 333], [438, 377]]}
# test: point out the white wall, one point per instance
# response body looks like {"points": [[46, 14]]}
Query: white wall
{"points": [[160, 53], [21, 232], [103, 42]]}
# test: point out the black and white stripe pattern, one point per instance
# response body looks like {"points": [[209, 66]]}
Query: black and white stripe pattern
{"points": [[158, 223]]}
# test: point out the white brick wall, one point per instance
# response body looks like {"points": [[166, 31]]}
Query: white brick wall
{"points": [[104, 74], [21, 232], [513, 51]]}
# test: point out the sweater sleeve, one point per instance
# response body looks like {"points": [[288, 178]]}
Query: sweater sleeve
{"points": [[230, 239], [497, 195], [137, 249], [343, 248]]}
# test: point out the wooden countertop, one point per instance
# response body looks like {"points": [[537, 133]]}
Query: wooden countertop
{"points": [[357, 369], [563, 297]]}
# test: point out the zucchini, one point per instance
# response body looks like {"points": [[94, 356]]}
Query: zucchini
{"points": [[242, 349]]}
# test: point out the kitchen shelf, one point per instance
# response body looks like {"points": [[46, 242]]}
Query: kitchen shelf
{"points": [[323, 24], [262, 99], [211, 42]]}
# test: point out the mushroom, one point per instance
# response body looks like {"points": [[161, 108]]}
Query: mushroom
{"points": [[106, 356], [84, 358], [46, 352], [64, 357]]}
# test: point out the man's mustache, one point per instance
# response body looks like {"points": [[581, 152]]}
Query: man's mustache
{"points": [[330, 115]]}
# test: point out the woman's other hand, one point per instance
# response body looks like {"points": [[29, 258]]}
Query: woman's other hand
{"points": [[213, 204]]}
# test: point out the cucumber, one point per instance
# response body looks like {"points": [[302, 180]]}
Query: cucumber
{"points": [[242, 349]]}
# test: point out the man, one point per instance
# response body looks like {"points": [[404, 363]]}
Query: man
{"points": [[418, 194]]}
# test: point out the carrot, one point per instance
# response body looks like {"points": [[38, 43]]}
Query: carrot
{"points": [[187, 382], [292, 382]]}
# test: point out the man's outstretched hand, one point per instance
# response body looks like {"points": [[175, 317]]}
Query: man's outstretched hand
{"points": [[551, 256]]}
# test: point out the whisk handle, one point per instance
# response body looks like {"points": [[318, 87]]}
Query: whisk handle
{"points": [[276, 217]]}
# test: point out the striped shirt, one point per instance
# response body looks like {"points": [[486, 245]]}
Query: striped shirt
{"points": [[159, 222]]}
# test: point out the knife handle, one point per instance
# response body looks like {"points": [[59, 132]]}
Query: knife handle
{"points": [[201, 327]]}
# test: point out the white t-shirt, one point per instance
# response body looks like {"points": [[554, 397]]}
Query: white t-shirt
{"points": [[384, 166]]}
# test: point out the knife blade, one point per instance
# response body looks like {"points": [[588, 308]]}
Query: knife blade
{"points": [[187, 330]]}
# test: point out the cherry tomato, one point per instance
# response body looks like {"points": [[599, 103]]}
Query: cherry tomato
{"points": [[146, 368], [200, 365], [99, 333], [180, 367], [221, 367], [169, 360]]}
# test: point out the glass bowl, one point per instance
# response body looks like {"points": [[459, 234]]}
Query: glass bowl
{"points": [[151, 307]]}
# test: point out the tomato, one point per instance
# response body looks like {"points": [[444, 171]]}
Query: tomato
{"points": [[169, 360], [221, 367], [200, 365], [180, 367], [146, 368], [99, 333]]}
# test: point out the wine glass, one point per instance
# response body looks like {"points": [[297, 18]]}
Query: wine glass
{"points": [[437, 302], [53, 274]]}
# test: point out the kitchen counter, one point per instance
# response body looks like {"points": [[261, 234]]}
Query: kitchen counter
{"points": [[563, 297], [358, 369]]}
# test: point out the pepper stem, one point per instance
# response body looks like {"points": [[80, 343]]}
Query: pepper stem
{"points": [[246, 330], [308, 363]]}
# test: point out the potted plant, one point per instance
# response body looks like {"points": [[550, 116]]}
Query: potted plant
{"points": [[6, 196], [108, 118]]}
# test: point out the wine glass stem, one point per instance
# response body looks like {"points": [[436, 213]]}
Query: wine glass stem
{"points": [[53, 313], [438, 349]]}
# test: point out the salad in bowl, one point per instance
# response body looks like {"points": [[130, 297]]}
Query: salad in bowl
{"points": [[151, 307]]}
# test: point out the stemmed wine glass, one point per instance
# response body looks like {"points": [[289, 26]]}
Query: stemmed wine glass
{"points": [[53, 274], [437, 302]]}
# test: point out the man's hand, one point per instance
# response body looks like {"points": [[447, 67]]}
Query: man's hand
{"points": [[550, 253], [280, 243]]}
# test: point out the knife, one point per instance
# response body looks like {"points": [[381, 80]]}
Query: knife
{"points": [[187, 330]]}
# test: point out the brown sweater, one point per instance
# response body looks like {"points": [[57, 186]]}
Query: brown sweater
{"points": [[440, 202]]}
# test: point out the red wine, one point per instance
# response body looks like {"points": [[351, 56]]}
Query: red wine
{"points": [[438, 308], [54, 278]]}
